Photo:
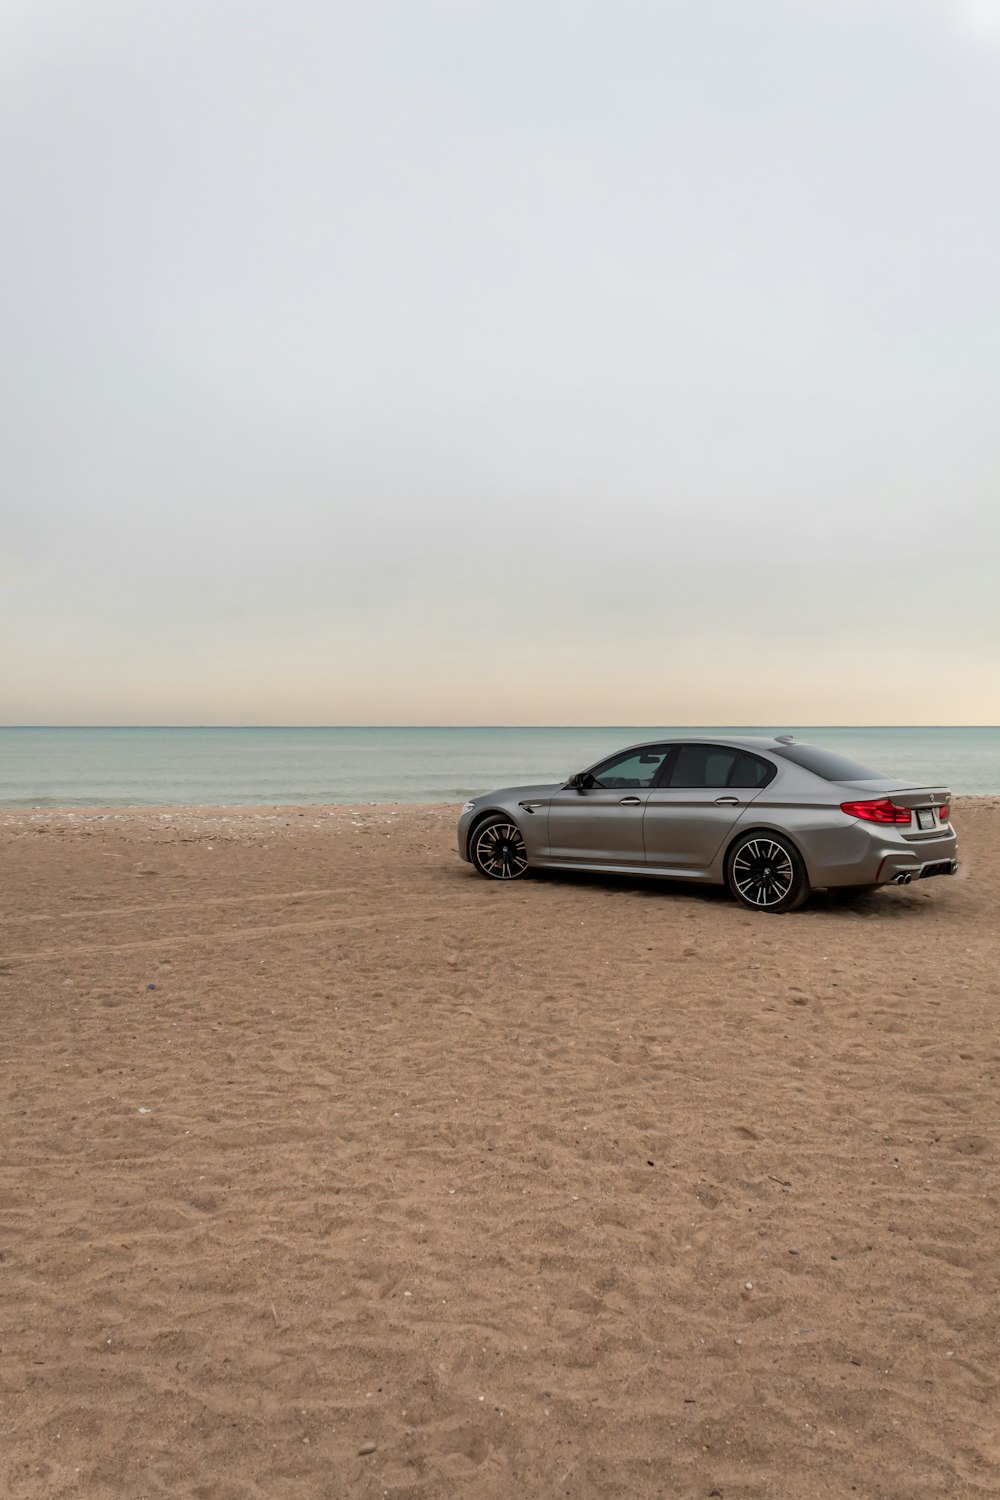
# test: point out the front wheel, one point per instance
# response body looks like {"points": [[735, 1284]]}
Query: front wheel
{"points": [[498, 851], [766, 873]]}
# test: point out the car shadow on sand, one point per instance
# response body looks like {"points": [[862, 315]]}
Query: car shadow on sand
{"points": [[883, 902]]}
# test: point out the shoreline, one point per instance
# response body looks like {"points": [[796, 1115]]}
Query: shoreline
{"points": [[83, 811], [276, 816], [300, 809]]}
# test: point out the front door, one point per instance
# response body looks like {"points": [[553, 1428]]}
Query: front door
{"points": [[601, 822]]}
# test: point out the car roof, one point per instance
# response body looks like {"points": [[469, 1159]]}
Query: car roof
{"points": [[740, 742]]}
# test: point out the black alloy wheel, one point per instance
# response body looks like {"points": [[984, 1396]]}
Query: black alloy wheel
{"points": [[498, 850], [766, 873]]}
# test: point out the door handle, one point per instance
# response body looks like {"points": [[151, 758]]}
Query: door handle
{"points": [[629, 801], [727, 801]]}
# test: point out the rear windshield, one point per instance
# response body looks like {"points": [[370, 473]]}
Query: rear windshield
{"points": [[824, 763]]}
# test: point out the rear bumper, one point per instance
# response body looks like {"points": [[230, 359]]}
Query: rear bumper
{"points": [[913, 857], [896, 872], [857, 853]]}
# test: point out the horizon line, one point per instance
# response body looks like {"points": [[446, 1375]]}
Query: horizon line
{"points": [[622, 724]]}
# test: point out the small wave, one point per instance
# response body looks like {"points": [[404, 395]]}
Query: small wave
{"points": [[55, 802]]}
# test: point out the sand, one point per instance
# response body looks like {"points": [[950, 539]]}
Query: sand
{"points": [[330, 1169]]}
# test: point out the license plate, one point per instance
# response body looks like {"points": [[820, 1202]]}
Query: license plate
{"points": [[925, 817]]}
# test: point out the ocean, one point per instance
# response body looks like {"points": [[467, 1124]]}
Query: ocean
{"points": [[211, 767]]}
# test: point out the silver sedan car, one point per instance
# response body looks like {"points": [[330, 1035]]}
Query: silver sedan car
{"points": [[769, 818]]}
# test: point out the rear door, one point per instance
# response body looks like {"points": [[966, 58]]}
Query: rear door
{"points": [[705, 790]]}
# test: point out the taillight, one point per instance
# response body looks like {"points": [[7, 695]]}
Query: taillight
{"points": [[879, 811], [944, 812]]}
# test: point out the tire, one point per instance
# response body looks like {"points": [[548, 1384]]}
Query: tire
{"points": [[765, 873], [497, 849]]}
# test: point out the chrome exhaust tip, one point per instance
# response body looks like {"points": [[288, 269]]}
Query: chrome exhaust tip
{"points": [[903, 879]]}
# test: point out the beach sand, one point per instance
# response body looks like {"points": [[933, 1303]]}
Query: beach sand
{"points": [[330, 1169]]}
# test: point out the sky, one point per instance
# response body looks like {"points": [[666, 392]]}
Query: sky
{"points": [[442, 361]]}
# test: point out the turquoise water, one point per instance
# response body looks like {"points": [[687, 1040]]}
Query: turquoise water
{"points": [[234, 767]]}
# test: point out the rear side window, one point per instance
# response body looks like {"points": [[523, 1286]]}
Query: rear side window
{"points": [[717, 766], [750, 771], [702, 765], [824, 763]]}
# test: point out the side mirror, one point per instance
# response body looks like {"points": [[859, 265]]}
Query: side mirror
{"points": [[579, 780]]}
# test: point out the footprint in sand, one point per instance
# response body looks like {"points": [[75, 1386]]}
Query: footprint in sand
{"points": [[971, 1145]]}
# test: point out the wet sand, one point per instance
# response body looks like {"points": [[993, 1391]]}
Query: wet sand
{"points": [[330, 1169]]}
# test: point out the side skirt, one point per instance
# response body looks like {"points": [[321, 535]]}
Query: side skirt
{"points": [[654, 872]]}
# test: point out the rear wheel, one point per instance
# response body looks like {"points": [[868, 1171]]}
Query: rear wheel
{"points": [[497, 849], [766, 873]]}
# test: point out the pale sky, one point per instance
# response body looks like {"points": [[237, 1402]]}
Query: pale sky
{"points": [[444, 361]]}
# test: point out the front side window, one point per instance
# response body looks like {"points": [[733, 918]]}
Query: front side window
{"points": [[633, 770]]}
